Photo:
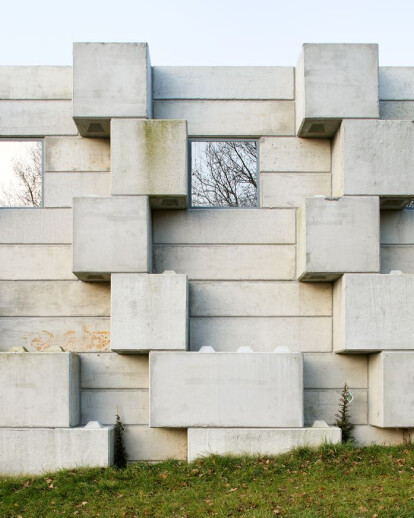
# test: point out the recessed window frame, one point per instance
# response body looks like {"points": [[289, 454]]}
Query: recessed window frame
{"points": [[223, 139]]}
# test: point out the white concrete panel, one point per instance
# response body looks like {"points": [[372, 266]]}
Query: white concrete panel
{"points": [[301, 334], [247, 262], [36, 118], [61, 188], [323, 404], [224, 226], [397, 227], [35, 226], [39, 389], [104, 405], [397, 110], [76, 154], [291, 189], [151, 444], [295, 155], [53, 298], [394, 257], [231, 118], [226, 390], [33, 451], [250, 299], [256, 441], [322, 371], [396, 83], [35, 82], [223, 82]]}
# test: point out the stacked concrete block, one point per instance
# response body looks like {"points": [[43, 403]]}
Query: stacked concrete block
{"points": [[396, 93], [111, 235], [149, 312], [149, 157], [397, 241], [335, 82], [337, 235], [374, 158], [110, 80]]}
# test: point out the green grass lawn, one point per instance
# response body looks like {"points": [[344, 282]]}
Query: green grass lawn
{"points": [[339, 481]]}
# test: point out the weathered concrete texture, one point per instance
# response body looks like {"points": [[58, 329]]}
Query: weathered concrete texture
{"points": [[396, 83], [374, 157], [324, 404], [226, 390], [224, 226], [103, 406], [35, 226], [64, 154], [397, 228], [291, 189], [295, 155], [395, 257], [41, 333], [54, 299], [33, 451], [61, 188], [322, 371], [334, 82], [44, 82], [367, 435], [151, 444], [110, 80], [373, 313], [337, 236], [391, 389], [149, 312], [36, 118], [397, 110], [256, 441], [113, 371], [223, 82], [247, 262], [262, 334], [39, 389], [149, 157], [259, 299], [111, 235], [231, 118]]}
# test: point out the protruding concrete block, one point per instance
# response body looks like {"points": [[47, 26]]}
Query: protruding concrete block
{"points": [[39, 389], [32, 451], [337, 235], [110, 80], [111, 235], [335, 82], [256, 441], [149, 312], [391, 389], [226, 390], [375, 158], [373, 313], [149, 157]]}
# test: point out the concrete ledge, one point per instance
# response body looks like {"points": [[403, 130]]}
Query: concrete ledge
{"points": [[256, 441], [32, 451]]}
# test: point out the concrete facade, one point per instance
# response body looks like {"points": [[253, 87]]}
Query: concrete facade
{"points": [[106, 217]]}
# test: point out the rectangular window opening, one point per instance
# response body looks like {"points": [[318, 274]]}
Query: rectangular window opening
{"points": [[224, 173]]}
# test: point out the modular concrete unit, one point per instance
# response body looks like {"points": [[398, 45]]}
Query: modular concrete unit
{"points": [[337, 235]]}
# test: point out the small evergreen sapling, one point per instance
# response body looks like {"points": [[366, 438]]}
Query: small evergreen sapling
{"points": [[342, 417], [120, 455]]}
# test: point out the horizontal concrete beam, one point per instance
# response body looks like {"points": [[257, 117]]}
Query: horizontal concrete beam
{"points": [[322, 371], [324, 404], [397, 228], [113, 371], [396, 83], [104, 405], [291, 189], [35, 82], [153, 444], [61, 188], [295, 155], [397, 110], [64, 154]]}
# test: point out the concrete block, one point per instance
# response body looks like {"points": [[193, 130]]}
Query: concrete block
{"points": [[63, 154], [110, 80], [396, 83], [39, 389], [149, 312], [113, 371], [366, 435], [226, 390], [291, 189], [223, 82], [36, 118], [397, 228], [33, 451], [295, 155], [54, 299], [224, 226], [231, 118], [149, 157], [335, 82], [103, 406], [374, 157], [154, 444], [391, 389], [262, 334], [36, 226], [337, 236], [323, 404], [333, 371], [373, 313], [247, 262], [256, 441], [36, 82], [394, 257], [60, 188], [397, 110], [111, 235], [259, 299]]}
